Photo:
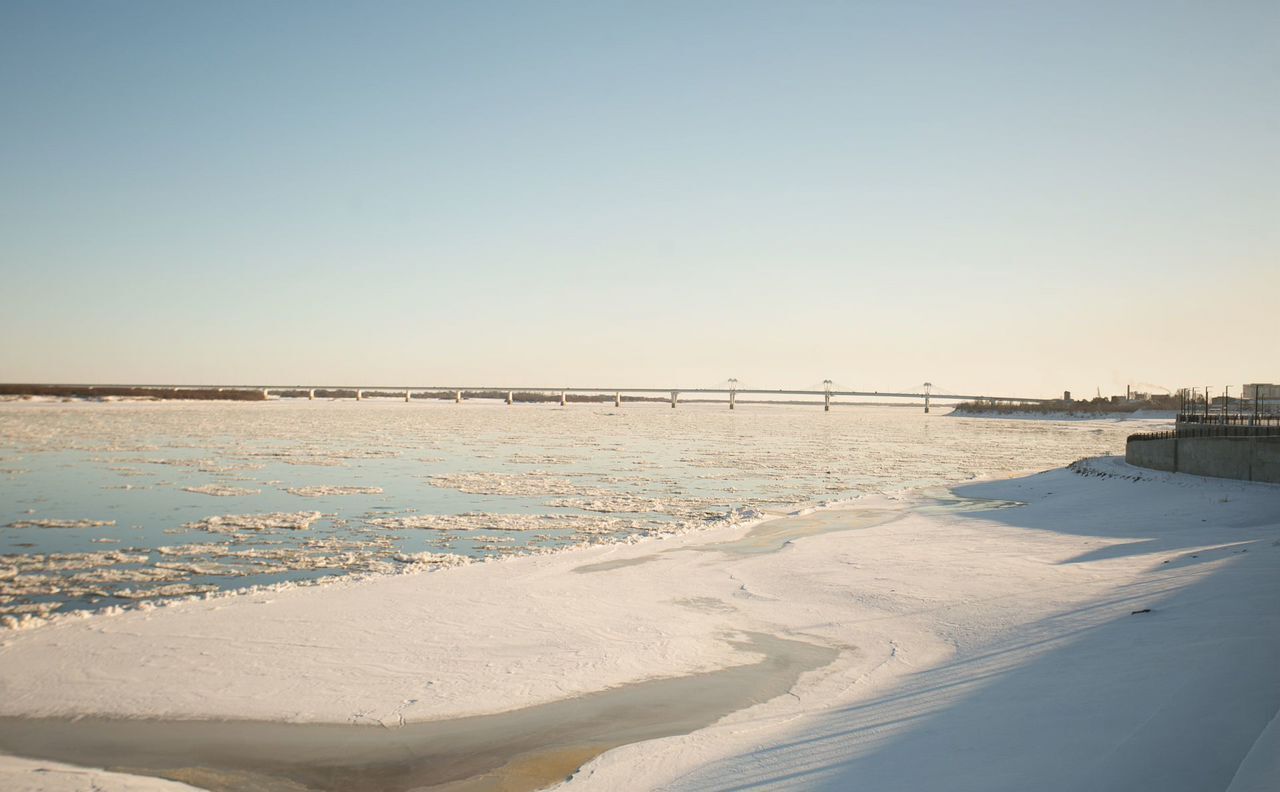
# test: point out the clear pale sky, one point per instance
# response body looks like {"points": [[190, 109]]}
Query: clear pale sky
{"points": [[1018, 197]]}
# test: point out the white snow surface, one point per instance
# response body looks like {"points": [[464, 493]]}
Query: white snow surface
{"points": [[1001, 651], [1260, 770], [38, 775], [988, 650]]}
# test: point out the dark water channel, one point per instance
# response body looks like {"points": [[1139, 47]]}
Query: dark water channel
{"points": [[520, 750]]}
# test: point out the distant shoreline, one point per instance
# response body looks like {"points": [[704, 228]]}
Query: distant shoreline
{"points": [[1075, 409], [140, 392]]}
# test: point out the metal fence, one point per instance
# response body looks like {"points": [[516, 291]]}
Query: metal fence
{"points": [[1210, 430], [1254, 403], [1229, 419]]}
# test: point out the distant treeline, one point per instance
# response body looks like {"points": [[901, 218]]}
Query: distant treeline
{"points": [[102, 391]]}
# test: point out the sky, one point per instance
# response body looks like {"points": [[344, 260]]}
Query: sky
{"points": [[1005, 197]]}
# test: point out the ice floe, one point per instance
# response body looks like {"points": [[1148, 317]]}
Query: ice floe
{"points": [[533, 482], [235, 523], [323, 491], [49, 523], [474, 521], [221, 490]]}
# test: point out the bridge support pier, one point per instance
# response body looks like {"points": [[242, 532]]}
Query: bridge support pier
{"points": [[359, 395], [311, 395], [510, 397], [266, 393], [457, 397], [826, 402], [926, 404], [617, 399], [406, 397], [675, 395], [562, 401]]}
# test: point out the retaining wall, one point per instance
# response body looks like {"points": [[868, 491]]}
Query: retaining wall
{"points": [[1153, 454], [1247, 458]]}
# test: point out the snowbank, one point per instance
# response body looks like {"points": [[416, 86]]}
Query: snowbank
{"points": [[30, 775], [1120, 631]]}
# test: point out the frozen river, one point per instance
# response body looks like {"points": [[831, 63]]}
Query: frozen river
{"points": [[119, 503]]}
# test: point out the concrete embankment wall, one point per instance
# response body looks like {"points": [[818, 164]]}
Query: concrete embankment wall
{"points": [[1247, 458], [1153, 454]]}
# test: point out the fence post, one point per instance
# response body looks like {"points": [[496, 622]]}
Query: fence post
{"points": [[1253, 452]]}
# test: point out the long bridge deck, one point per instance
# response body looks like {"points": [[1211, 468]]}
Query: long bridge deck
{"points": [[459, 392]]}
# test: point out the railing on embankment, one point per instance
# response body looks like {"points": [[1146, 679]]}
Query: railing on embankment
{"points": [[1250, 453], [1264, 419]]}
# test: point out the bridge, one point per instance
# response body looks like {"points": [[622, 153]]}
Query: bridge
{"points": [[730, 390]]}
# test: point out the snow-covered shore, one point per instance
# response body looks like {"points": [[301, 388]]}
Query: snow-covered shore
{"points": [[994, 649], [36, 775]]}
